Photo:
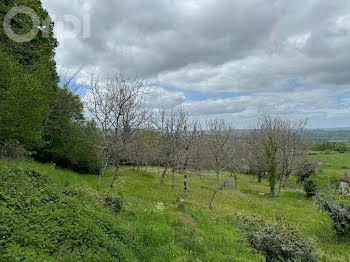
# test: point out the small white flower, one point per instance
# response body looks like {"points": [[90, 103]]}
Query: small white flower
{"points": [[159, 206]]}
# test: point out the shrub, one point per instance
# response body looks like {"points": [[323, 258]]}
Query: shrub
{"points": [[115, 203], [12, 149], [312, 154], [338, 210], [310, 188], [305, 170], [277, 241]]}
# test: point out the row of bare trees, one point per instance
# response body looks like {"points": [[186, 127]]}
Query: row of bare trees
{"points": [[134, 134]]}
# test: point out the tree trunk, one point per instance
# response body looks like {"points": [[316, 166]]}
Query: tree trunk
{"points": [[163, 175], [115, 176], [102, 172], [286, 178], [280, 185], [173, 184], [200, 175], [217, 177], [260, 177], [236, 179], [185, 183], [212, 199]]}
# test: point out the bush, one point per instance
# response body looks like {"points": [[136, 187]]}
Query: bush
{"points": [[12, 149], [277, 241], [305, 170], [312, 154], [116, 204], [338, 210], [310, 188]]}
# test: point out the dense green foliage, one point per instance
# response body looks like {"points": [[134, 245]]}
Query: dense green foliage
{"points": [[40, 50], [277, 242], [28, 77], [43, 218], [330, 146], [41, 221], [71, 142], [24, 102], [310, 188], [33, 110]]}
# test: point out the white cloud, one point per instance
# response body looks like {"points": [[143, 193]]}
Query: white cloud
{"points": [[255, 46]]}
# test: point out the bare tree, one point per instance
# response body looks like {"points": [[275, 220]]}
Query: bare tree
{"points": [[165, 127], [171, 126], [275, 146], [219, 144], [235, 160], [223, 186], [188, 138], [291, 147], [254, 153], [198, 154], [118, 109], [141, 149]]}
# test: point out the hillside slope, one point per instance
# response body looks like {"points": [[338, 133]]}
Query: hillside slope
{"points": [[58, 215], [54, 215]]}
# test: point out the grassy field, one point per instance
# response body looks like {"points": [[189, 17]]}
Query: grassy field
{"points": [[193, 232], [333, 164]]}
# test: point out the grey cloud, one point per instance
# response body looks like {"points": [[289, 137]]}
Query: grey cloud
{"points": [[221, 46]]}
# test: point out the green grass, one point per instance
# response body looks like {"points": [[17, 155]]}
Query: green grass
{"points": [[333, 164], [194, 232]]}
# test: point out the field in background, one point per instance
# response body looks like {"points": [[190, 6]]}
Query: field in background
{"points": [[205, 234], [329, 135]]}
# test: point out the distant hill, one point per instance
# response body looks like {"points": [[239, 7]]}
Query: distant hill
{"points": [[321, 135], [329, 134]]}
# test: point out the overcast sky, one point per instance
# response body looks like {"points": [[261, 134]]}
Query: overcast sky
{"points": [[220, 58]]}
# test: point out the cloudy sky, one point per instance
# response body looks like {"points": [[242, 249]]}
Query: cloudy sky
{"points": [[219, 58]]}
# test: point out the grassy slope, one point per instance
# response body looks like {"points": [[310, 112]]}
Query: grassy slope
{"points": [[195, 233]]}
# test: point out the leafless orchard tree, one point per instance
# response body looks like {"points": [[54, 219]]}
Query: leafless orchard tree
{"points": [[141, 149], [189, 136], [235, 160], [291, 147], [286, 136], [165, 126], [254, 153], [219, 145], [170, 127], [117, 108], [198, 154], [223, 186]]}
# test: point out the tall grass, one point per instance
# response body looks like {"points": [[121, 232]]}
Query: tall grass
{"points": [[192, 231]]}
